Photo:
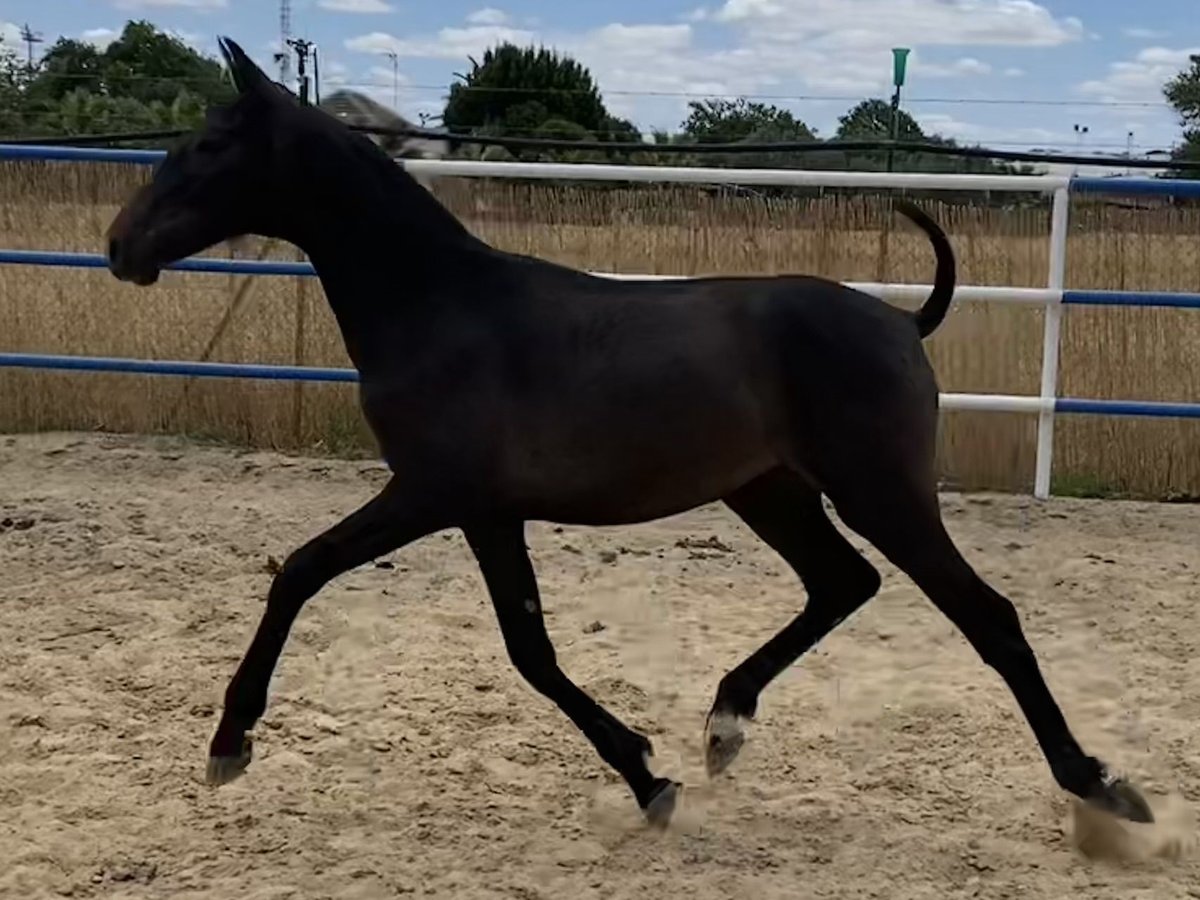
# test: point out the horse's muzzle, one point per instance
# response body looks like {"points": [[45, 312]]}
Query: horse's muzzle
{"points": [[126, 267]]}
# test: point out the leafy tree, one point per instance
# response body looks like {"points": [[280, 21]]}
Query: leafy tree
{"points": [[532, 92], [1183, 93], [10, 90], [68, 65], [147, 65], [872, 120], [729, 121], [620, 130], [144, 80], [518, 89], [719, 120]]}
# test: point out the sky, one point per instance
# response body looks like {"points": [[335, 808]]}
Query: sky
{"points": [[1002, 73]]}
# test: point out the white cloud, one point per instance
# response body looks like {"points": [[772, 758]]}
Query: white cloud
{"points": [[819, 46], [448, 43], [802, 47], [1013, 72], [382, 76], [100, 37], [489, 15], [1142, 78], [10, 36], [990, 135], [355, 6], [334, 74], [886, 23], [199, 5], [960, 68], [970, 66], [193, 40], [1143, 34], [642, 40]]}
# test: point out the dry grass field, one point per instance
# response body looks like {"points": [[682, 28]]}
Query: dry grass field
{"points": [[1146, 354]]}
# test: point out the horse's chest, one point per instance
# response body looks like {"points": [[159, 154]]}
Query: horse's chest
{"points": [[427, 418]]}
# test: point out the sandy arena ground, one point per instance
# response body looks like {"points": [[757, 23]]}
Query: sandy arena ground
{"points": [[403, 756]]}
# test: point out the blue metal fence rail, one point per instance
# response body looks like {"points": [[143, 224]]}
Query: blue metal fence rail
{"points": [[1179, 300], [1046, 404], [174, 367]]}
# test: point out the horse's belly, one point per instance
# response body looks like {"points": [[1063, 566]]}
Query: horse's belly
{"points": [[625, 475]]}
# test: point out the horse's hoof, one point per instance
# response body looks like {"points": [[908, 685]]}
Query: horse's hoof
{"points": [[1120, 798], [662, 803], [723, 739], [224, 769]]}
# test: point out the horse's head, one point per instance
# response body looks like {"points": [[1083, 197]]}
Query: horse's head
{"points": [[213, 186]]}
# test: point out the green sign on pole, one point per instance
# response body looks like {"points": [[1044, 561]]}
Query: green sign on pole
{"points": [[899, 61]]}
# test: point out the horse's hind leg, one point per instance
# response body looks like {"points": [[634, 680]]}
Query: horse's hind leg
{"points": [[783, 510], [898, 512]]}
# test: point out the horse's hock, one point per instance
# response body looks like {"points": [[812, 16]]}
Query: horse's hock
{"points": [[401, 752]]}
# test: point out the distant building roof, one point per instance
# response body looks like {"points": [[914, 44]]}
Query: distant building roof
{"points": [[355, 108]]}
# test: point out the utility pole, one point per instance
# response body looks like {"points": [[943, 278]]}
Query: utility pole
{"points": [[316, 53], [285, 38], [30, 38], [302, 48], [391, 54]]}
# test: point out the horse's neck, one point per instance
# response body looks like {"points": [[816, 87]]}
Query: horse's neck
{"points": [[351, 200], [383, 246], [381, 270]]}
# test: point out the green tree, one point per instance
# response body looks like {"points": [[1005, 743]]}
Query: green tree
{"points": [[68, 65], [147, 65], [10, 91], [532, 92], [520, 88], [719, 120], [1183, 93], [728, 121], [144, 80], [620, 130], [872, 120]]}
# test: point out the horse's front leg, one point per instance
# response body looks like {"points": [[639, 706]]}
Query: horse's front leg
{"points": [[508, 573], [402, 512]]}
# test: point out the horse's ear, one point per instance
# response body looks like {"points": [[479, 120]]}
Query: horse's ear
{"points": [[247, 76]]}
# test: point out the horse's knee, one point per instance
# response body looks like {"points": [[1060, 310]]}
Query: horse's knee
{"points": [[305, 570], [841, 586], [863, 580]]}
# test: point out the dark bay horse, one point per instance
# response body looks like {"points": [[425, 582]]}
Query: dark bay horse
{"points": [[504, 389]]}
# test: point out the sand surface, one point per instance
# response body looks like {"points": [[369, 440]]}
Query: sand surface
{"points": [[403, 756]]}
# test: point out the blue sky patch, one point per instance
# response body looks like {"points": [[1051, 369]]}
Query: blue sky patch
{"points": [[1004, 73]]}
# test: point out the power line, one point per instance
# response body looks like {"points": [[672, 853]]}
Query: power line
{"points": [[810, 98], [1046, 145], [30, 37], [800, 147]]}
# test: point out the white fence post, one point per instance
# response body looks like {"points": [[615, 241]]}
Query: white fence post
{"points": [[1059, 218]]}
